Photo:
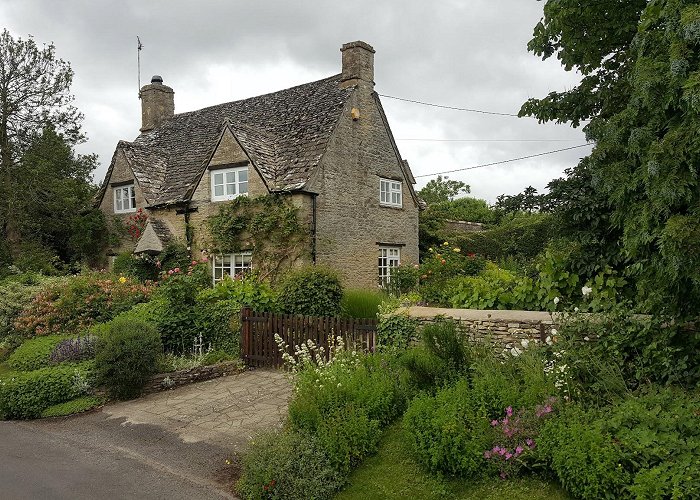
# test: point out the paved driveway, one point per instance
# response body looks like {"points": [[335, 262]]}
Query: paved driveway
{"points": [[175, 444]]}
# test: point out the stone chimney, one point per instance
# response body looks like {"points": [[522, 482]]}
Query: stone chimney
{"points": [[157, 104], [358, 64]]}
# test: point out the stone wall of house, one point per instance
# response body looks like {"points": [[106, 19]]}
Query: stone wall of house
{"points": [[164, 381], [121, 173], [505, 329], [350, 221]]}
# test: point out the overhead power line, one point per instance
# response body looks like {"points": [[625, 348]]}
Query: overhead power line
{"points": [[504, 161], [470, 110]]}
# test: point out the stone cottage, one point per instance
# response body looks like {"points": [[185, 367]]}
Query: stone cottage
{"points": [[327, 144]]}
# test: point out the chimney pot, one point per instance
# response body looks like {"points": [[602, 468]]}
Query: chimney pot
{"points": [[157, 79], [358, 64]]}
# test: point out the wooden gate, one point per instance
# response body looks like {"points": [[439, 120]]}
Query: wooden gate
{"points": [[258, 330]]}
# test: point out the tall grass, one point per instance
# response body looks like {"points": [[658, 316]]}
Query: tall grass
{"points": [[361, 303]]}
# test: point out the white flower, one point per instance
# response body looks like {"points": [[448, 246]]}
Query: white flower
{"points": [[586, 338], [516, 352], [548, 340], [556, 300], [553, 331], [586, 290], [575, 309], [524, 343]]}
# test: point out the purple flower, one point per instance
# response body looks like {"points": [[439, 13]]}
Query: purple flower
{"points": [[509, 455], [502, 451], [509, 411], [530, 443], [518, 450], [494, 423]]}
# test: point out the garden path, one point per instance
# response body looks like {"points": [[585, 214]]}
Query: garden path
{"points": [[225, 411]]}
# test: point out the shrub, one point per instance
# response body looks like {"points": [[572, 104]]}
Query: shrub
{"points": [[34, 353], [73, 303], [313, 291], [127, 356], [426, 370], [128, 264], [14, 296], [645, 446], [445, 340], [27, 394], [247, 290], [395, 331], [404, 279], [449, 431], [361, 303], [78, 405], [220, 325], [492, 289], [443, 264], [288, 464]]}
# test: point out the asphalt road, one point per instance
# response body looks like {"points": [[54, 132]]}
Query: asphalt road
{"points": [[91, 457]]}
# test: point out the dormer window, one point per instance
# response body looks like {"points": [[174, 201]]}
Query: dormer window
{"points": [[390, 193], [228, 183], [124, 199]]}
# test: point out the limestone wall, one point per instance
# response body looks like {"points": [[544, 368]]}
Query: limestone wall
{"points": [[505, 329]]}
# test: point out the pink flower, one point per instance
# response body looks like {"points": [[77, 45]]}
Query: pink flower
{"points": [[502, 451], [530, 443], [194, 262], [509, 455], [170, 272], [177, 269], [487, 454], [494, 423], [495, 449], [509, 411], [519, 450], [503, 475]]}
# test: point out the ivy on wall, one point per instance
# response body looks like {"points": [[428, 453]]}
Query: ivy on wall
{"points": [[269, 226]]}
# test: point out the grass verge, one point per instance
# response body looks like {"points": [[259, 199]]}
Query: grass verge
{"points": [[77, 405], [394, 474]]}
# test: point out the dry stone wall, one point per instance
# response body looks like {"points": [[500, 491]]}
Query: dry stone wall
{"points": [[504, 329]]}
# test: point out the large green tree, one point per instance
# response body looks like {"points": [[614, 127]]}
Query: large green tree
{"points": [[442, 189], [34, 95], [640, 94]]}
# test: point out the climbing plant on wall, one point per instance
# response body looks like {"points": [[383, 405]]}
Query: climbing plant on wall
{"points": [[269, 226]]}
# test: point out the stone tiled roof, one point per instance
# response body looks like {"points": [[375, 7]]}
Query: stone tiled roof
{"points": [[285, 134], [161, 229]]}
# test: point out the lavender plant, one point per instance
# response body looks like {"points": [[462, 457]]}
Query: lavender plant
{"points": [[74, 349]]}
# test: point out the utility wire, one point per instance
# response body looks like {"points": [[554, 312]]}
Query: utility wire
{"points": [[491, 140], [504, 161], [448, 107]]}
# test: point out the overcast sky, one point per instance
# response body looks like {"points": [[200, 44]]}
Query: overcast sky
{"points": [[467, 54]]}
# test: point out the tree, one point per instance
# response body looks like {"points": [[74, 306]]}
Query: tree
{"points": [[34, 94], [641, 92], [439, 189]]}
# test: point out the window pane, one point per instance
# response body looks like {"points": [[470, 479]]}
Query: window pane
{"points": [[243, 188], [242, 176], [226, 260], [218, 179], [218, 190], [230, 189], [230, 177], [132, 192]]}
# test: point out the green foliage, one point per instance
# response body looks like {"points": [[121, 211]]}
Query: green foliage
{"points": [[76, 302], [444, 339], [361, 303], [640, 349], [395, 331], [34, 353], [403, 279], [346, 404], [524, 235], [640, 93], [443, 264], [89, 235], [645, 446], [27, 394], [492, 289], [78, 405], [528, 201], [449, 432], [178, 290], [440, 190], [128, 264], [288, 464], [127, 356], [219, 323], [313, 291], [426, 370], [268, 226], [14, 295], [249, 290]]}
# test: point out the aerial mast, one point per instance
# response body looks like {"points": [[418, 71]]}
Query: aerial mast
{"points": [[139, 46]]}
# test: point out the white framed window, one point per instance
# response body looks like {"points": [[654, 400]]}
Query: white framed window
{"points": [[124, 199], [231, 264], [389, 257], [228, 183], [390, 193]]}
